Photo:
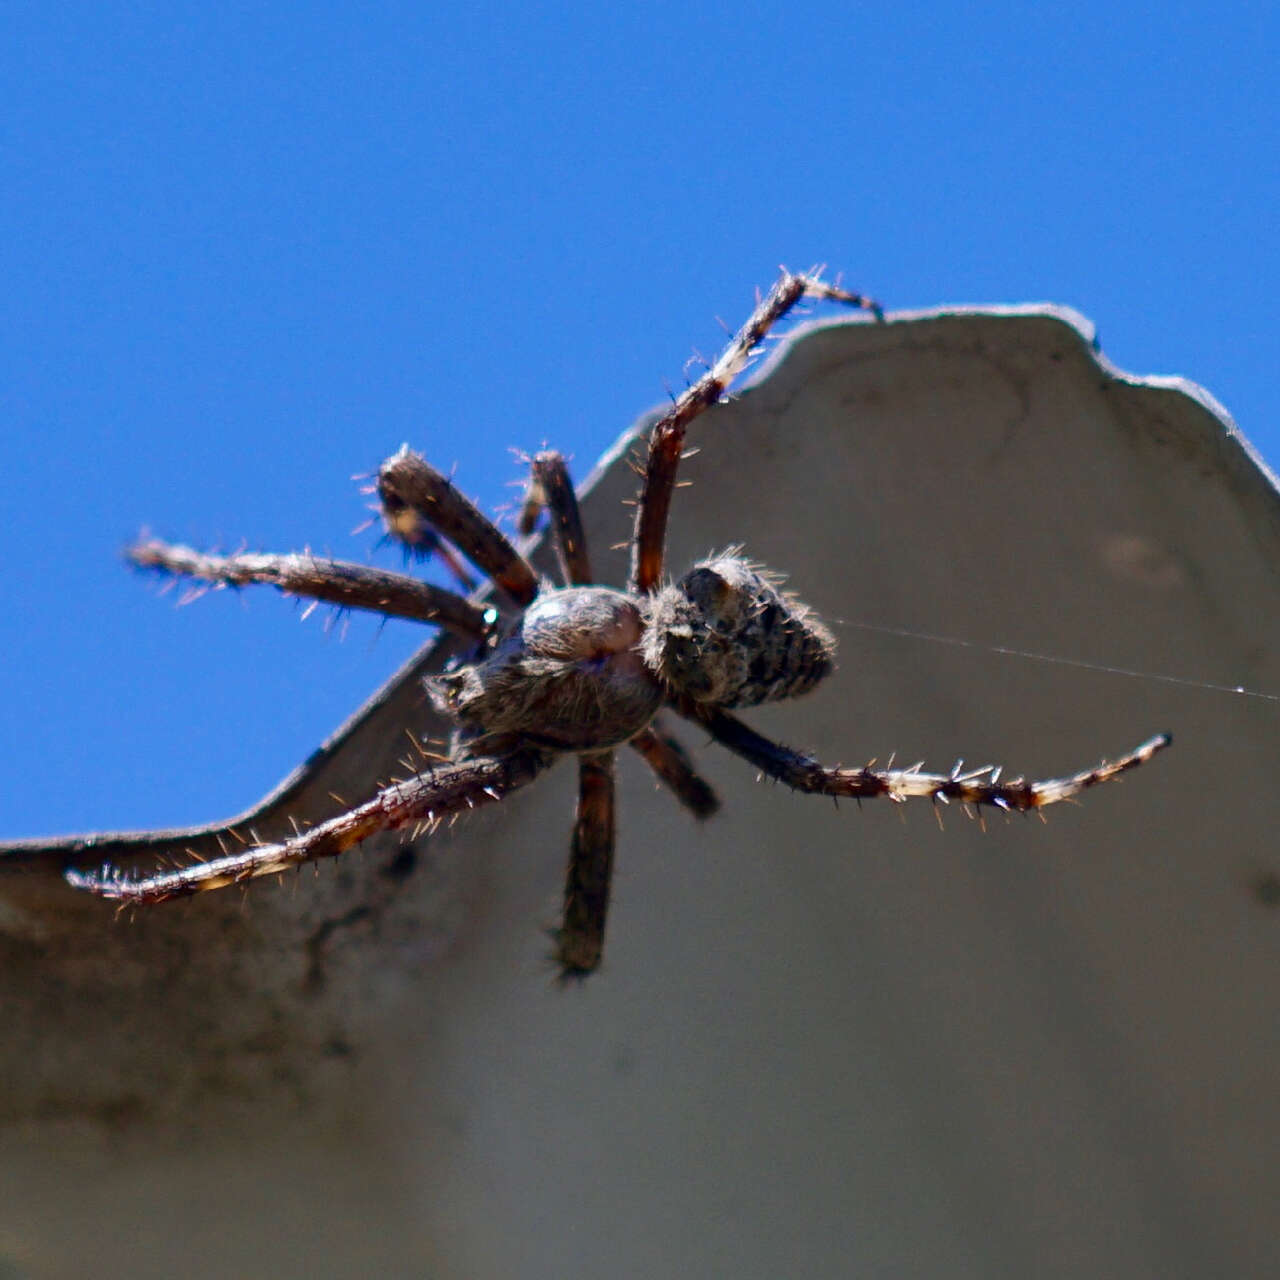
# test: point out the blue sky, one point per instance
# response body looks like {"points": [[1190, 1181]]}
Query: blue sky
{"points": [[250, 249]]}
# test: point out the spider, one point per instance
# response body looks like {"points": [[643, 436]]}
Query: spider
{"points": [[580, 669]]}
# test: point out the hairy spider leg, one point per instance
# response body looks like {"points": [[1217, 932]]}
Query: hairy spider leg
{"points": [[338, 582], [551, 486], [421, 800], [580, 939], [413, 492], [550, 481], [669, 760], [664, 755], [979, 787], [666, 441]]}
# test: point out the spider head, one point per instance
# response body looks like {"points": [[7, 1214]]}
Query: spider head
{"points": [[569, 675], [724, 634]]}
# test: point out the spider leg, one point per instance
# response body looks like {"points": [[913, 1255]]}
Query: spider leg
{"points": [[666, 441], [350, 586], [414, 494], [667, 758], [979, 787], [550, 485], [424, 799], [580, 938]]}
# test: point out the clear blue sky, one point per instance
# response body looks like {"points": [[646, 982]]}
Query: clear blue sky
{"points": [[250, 249]]}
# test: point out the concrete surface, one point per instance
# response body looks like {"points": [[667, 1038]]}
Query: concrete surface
{"points": [[824, 1042]]}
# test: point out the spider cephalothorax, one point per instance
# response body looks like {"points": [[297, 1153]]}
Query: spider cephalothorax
{"points": [[579, 669], [569, 676]]}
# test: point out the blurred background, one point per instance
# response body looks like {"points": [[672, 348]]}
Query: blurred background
{"points": [[249, 250]]}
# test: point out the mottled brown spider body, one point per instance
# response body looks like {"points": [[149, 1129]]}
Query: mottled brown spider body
{"points": [[570, 676], [587, 668], [581, 669], [725, 635]]}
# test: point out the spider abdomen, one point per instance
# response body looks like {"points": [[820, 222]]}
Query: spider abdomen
{"points": [[725, 634], [569, 676]]}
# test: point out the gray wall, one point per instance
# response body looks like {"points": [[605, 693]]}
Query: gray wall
{"points": [[824, 1042]]}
